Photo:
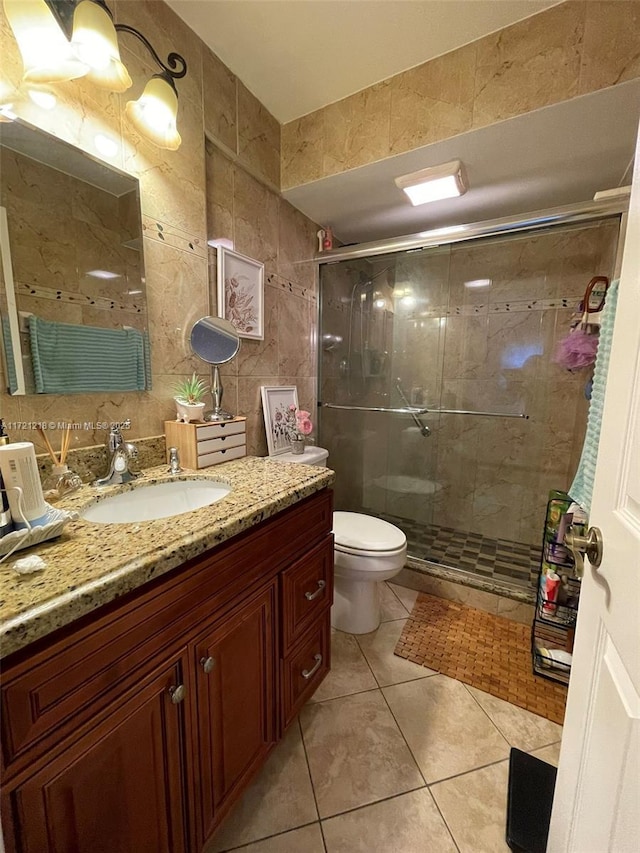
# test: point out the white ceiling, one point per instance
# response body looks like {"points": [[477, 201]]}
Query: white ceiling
{"points": [[299, 55]]}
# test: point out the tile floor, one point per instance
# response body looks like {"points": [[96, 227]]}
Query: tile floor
{"points": [[387, 756]]}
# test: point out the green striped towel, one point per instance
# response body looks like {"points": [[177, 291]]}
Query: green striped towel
{"points": [[12, 380], [582, 487], [70, 359]]}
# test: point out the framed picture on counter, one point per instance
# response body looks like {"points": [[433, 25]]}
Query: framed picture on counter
{"points": [[276, 402]]}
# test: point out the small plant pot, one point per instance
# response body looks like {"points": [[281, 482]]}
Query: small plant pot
{"points": [[297, 446], [189, 412]]}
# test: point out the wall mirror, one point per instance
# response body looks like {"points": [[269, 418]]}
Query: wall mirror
{"points": [[215, 341], [73, 311]]}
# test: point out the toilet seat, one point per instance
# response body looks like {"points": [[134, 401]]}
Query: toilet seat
{"points": [[364, 535]]}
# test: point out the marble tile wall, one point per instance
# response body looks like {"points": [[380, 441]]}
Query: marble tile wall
{"points": [[456, 346], [284, 240], [178, 218], [570, 49]]}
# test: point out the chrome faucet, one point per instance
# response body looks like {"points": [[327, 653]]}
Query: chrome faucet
{"points": [[122, 452], [174, 461]]}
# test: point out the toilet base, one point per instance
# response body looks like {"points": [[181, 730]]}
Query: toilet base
{"points": [[356, 606]]}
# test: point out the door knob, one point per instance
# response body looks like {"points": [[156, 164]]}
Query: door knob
{"points": [[591, 545]]}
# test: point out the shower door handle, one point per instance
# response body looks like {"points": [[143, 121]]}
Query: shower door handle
{"points": [[406, 411]]}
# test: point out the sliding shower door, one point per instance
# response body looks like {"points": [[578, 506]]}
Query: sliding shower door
{"points": [[382, 339], [470, 328]]}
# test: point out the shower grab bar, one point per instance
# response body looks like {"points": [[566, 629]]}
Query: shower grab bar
{"points": [[412, 411]]}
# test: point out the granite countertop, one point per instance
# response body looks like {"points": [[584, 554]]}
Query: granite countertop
{"points": [[93, 564]]}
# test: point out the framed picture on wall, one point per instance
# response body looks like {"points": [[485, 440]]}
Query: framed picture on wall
{"points": [[276, 402], [241, 293]]}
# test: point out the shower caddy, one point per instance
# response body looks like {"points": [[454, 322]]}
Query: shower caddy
{"points": [[554, 622]]}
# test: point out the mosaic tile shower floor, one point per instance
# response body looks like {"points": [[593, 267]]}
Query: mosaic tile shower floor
{"points": [[495, 559]]}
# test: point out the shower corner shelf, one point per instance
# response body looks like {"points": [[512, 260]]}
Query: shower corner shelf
{"points": [[554, 622]]}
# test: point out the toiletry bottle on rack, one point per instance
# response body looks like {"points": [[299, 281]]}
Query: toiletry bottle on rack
{"points": [[6, 523]]}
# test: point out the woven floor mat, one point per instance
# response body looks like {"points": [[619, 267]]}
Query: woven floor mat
{"points": [[486, 651]]}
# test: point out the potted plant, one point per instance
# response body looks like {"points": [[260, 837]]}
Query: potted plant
{"points": [[188, 399]]}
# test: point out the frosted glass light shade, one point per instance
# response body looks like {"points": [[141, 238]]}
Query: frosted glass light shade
{"points": [[155, 112], [433, 184], [95, 42], [47, 54]]}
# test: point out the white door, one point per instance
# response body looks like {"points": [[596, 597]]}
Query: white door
{"points": [[596, 808]]}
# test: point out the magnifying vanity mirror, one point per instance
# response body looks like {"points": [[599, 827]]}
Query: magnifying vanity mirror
{"points": [[215, 341]]}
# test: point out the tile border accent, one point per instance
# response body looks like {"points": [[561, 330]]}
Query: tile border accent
{"points": [[76, 298], [161, 232]]}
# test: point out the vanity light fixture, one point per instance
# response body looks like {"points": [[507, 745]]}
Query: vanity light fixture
{"points": [[63, 40], [434, 184]]}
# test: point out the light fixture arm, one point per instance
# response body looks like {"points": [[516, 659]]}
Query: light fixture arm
{"points": [[177, 65]]}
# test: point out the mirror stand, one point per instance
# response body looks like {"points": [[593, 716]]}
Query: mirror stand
{"points": [[218, 413], [216, 342]]}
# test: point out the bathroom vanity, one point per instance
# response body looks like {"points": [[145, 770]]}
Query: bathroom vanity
{"points": [[137, 724]]}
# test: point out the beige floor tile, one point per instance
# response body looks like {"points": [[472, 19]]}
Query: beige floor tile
{"points": [[308, 839], [550, 754], [521, 728], [390, 605], [410, 823], [378, 649], [445, 728], [356, 752], [281, 798], [406, 596], [475, 808], [350, 671]]}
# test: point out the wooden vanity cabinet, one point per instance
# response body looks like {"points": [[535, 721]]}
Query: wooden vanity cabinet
{"points": [[118, 788], [186, 686]]}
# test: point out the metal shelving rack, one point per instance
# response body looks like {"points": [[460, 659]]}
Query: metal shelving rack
{"points": [[554, 621]]}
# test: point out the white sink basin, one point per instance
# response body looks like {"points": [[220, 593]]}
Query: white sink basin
{"points": [[158, 500]]}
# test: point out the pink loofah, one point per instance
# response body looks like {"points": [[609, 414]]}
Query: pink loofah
{"points": [[577, 350]]}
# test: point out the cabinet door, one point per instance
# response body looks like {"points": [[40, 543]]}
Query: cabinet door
{"points": [[119, 789], [236, 695]]}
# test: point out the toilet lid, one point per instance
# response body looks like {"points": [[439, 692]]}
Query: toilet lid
{"points": [[312, 456], [366, 533]]}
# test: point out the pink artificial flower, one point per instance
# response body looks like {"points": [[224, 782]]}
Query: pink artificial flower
{"points": [[292, 408], [303, 416], [305, 426]]}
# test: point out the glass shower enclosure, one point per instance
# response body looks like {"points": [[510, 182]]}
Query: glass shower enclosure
{"points": [[464, 335]]}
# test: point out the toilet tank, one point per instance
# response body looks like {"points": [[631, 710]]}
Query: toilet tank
{"points": [[312, 456]]}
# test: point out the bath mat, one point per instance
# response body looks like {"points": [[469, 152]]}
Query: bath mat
{"points": [[486, 651]]}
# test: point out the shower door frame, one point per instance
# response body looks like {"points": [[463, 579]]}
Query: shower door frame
{"points": [[574, 214]]}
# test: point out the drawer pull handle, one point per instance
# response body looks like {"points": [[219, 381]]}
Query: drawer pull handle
{"points": [[311, 595], [177, 694], [307, 673], [207, 664]]}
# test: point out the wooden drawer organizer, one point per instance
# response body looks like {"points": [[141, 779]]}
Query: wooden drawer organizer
{"points": [[204, 444]]}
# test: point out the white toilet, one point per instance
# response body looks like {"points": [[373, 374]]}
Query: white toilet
{"points": [[367, 552]]}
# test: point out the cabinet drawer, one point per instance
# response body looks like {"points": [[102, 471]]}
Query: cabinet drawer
{"points": [[305, 667], [207, 431], [307, 589], [219, 456], [223, 443]]}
